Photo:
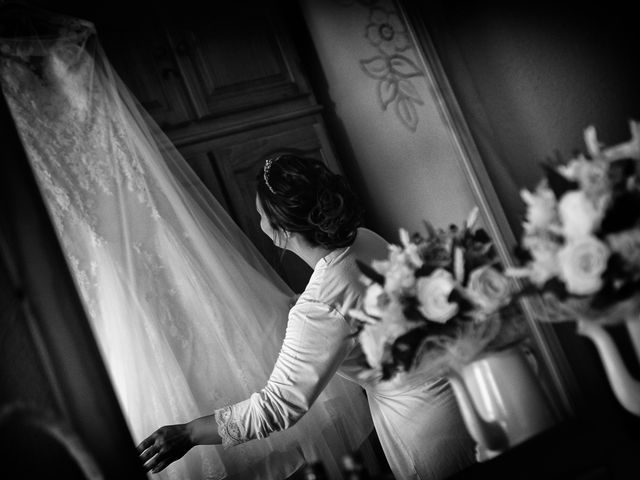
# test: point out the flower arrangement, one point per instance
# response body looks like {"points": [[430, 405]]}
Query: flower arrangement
{"points": [[437, 301], [581, 239]]}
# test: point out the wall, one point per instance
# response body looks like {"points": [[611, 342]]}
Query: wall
{"points": [[401, 157], [531, 78]]}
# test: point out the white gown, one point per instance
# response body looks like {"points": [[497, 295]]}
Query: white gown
{"points": [[188, 316], [417, 419]]}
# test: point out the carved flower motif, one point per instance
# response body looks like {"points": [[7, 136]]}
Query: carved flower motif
{"points": [[386, 31]]}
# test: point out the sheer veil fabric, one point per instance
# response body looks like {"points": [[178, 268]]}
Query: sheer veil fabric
{"points": [[188, 315]]}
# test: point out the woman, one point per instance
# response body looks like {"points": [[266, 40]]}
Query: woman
{"points": [[308, 210]]}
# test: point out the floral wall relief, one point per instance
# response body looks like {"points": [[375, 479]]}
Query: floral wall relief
{"points": [[393, 65]]}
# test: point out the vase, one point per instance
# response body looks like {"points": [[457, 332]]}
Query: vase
{"points": [[633, 329], [501, 400], [625, 388]]}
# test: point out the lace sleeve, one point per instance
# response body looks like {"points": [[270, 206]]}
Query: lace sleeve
{"points": [[316, 342], [229, 427]]}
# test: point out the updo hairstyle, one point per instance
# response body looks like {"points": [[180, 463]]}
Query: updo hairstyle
{"points": [[302, 195]]}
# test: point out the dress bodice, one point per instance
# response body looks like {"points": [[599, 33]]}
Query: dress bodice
{"points": [[335, 282]]}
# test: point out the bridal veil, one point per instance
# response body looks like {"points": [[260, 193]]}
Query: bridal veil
{"points": [[188, 316]]}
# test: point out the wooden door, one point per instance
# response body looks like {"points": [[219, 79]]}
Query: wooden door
{"points": [[240, 60], [143, 59], [229, 165], [227, 88]]}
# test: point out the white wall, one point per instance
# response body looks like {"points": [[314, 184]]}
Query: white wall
{"points": [[410, 175]]}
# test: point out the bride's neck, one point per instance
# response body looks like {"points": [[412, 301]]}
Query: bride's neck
{"points": [[311, 254]]}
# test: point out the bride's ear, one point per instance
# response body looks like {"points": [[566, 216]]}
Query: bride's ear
{"points": [[281, 238]]}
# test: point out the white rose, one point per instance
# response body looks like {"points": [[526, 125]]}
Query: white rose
{"points": [[582, 262], [594, 178], [398, 270], [544, 252], [433, 296], [489, 288], [541, 207], [375, 299], [579, 215], [399, 277], [375, 336], [372, 339]]}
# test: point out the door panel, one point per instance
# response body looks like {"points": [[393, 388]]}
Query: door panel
{"points": [[238, 62], [227, 87], [239, 158], [145, 62]]}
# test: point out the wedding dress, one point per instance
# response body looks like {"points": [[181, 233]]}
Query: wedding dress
{"points": [[188, 316]]}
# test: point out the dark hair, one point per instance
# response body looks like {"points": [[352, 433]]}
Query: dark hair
{"points": [[302, 195]]}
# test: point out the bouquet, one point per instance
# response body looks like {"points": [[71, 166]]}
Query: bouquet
{"points": [[437, 301], [581, 242]]}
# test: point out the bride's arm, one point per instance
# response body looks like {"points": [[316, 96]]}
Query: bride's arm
{"points": [[316, 342], [204, 431]]}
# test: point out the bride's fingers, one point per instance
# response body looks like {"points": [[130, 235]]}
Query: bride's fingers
{"points": [[153, 462], [159, 467], [146, 443], [159, 462], [147, 454]]}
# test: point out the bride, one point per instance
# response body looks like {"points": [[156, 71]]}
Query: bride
{"points": [[188, 316], [310, 211]]}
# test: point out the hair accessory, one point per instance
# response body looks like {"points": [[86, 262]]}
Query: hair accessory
{"points": [[267, 167]]}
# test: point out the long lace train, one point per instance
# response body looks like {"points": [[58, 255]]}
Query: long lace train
{"points": [[188, 316]]}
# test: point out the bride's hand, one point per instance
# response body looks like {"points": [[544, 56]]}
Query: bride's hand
{"points": [[164, 446]]}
